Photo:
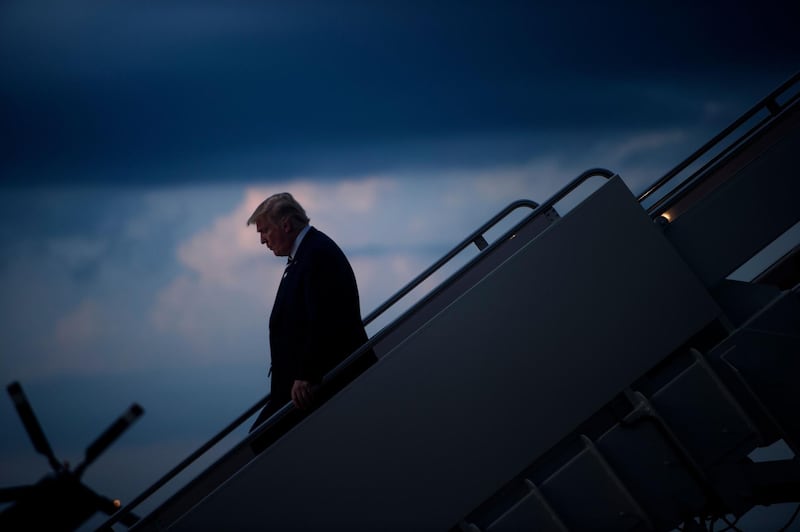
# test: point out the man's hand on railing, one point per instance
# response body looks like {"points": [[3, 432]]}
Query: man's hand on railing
{"points": [[302, 394]]}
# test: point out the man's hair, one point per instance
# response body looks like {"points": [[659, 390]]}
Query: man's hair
{"points": [[278, 207]]}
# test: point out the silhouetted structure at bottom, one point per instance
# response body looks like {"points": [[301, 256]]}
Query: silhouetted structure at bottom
{"points": [[59, 501]]}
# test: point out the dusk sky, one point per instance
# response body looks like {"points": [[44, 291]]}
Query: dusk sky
{"points": [[137, 138]]}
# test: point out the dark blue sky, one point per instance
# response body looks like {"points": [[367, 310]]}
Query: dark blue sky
{"points": [[195, 91]]}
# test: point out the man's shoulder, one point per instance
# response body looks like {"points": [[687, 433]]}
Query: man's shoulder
{"points": [[318, 244], [317, 238]]}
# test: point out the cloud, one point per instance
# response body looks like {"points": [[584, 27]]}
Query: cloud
{"points": [[224, 253], [77, 281], [79, 328], [76, 252], [227, 282], [644, 143]]}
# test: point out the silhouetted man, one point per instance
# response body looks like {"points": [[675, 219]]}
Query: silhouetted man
{"points": [[316, 318]]}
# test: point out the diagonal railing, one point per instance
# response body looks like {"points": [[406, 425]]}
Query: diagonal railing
{"points": [[477, 237], [770, 104]]}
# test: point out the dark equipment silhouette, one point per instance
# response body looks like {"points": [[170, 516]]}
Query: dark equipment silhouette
{"points": [[59, 501]]}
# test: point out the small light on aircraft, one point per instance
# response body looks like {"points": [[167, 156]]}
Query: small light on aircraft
{"points": [[117, 503]]}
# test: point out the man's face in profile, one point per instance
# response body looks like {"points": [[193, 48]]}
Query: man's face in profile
{"points": [[275, 236]]}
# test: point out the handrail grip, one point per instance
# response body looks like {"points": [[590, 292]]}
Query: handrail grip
{"points": [[447, 257], [594, 172], [575, 183], [767, 102], [280, 413]]}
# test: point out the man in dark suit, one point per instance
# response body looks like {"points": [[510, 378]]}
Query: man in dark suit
{"points": [[316, 318]]}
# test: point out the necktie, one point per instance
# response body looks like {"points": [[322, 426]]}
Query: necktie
{"points": [[288, 263]]}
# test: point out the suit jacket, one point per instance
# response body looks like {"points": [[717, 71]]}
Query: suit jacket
{"points": [[316, 319]]}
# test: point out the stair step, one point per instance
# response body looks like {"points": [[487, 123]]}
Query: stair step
{"points": [[532, 512], [645, 460], [588, 495], [781, 317], [769, 365], [703, 414]]}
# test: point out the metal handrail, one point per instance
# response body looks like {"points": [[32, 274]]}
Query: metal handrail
{"points": [[769, 103], [475, 237], [544, 207], [541, 209], [186, 462], [575, 183]]}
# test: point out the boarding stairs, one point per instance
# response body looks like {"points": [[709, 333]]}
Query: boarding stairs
{"points": [[598, 370]]}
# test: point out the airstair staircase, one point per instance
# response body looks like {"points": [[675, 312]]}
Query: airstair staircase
{"points": [[598, 370]]}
